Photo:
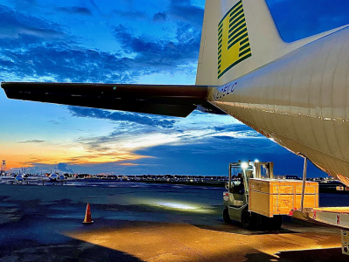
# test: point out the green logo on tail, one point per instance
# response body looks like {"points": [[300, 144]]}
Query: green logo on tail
{"points": [[233, 41]]}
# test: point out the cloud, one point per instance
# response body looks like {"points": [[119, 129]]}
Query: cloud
{"points": [[239, 129], [224, 137], [128, 164], [123, 141], [182, 11], [63, 167], [233, 128], [75, 10], [201, 156], [15, 25], [142, 119], [36, 49], [162, 55], [128, 138], [160, 17], [64, 62], [86, 8], [32, 141], [134, 15], [185, 12], [211, 157], [60, 57], [25, 5], [92, 6]]}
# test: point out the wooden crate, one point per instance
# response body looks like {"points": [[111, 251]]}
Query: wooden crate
{"points": [[270, 197]]}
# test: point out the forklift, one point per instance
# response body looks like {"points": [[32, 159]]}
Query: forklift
{"points": [[236, 197]]}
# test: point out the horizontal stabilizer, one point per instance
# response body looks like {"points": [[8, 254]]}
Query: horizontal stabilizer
{"points": [[170, 100]]}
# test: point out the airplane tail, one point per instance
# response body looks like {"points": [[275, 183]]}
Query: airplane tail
{"points": [[239, 36]]}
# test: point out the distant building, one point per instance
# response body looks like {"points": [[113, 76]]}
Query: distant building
{"points": [[292, 177]]}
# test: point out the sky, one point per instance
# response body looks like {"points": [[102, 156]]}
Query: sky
{"points": [[129, 41]]}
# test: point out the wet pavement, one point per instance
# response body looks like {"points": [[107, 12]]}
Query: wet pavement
{"points": [[146, 222]]}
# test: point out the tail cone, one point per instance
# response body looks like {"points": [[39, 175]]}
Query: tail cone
{"points": [[88, 219]]}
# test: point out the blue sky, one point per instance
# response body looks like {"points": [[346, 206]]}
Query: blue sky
{"points": [[128, 41]]}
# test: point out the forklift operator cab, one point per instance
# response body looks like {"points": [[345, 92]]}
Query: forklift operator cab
{"points": [[237, 185], [240, 188], [236, 199]]}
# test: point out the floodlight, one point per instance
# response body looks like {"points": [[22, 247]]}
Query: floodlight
{"points": [[244, 165]]}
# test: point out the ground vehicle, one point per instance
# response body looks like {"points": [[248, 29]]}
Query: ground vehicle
{"points": [[236, 198]]}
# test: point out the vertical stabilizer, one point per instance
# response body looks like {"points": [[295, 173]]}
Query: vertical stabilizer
{"points": [[239, 36]]}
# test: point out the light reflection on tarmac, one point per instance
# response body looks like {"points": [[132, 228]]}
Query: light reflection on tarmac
{"points": [[144, 222]]}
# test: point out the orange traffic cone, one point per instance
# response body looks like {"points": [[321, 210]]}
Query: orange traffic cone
{"points": [[88, 219]]}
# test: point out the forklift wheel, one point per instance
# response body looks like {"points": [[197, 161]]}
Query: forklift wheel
{"points": [[226, 217], [248, 219]]}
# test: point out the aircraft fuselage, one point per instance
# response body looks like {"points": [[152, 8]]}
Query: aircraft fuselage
{"points": [[301, 101]]}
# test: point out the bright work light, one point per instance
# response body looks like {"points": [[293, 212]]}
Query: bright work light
{"points": [[244, 165]]}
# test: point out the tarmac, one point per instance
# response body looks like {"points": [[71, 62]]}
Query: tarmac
{"points": [[147, 222]]}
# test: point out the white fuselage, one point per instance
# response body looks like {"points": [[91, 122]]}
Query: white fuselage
{"points": [[301, 101]]}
